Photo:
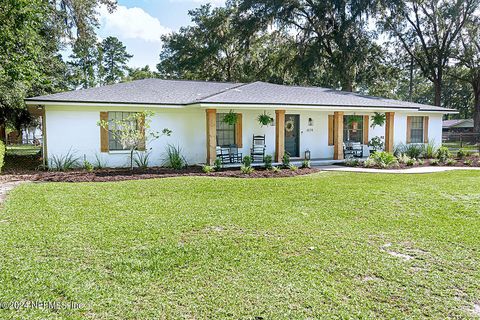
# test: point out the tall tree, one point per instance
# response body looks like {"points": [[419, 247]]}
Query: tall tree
{"points": [[427, 29], [140, 73], [83, 63], [332, 33], [468, 71], [114, 58], [214, 49]]}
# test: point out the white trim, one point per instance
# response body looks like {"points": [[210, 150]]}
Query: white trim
{"points": [[220, 106]]}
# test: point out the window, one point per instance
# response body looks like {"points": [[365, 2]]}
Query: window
{"points": [[353, 131], [416, 130], [114, 143], [225, 132]]}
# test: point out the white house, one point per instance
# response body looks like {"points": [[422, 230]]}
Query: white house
{"points": [[306, 118]]}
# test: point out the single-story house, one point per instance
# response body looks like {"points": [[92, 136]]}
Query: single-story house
{"points": [[309, 119], [458, 125]]}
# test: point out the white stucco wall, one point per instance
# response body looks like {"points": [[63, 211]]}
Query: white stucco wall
{"points": [[76, 129]]}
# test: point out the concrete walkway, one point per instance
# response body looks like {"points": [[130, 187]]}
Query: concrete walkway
{"points": [[6, 186], [409, 170]]}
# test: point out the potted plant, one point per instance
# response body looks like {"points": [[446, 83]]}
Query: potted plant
{"points": [[230, 118], [378, 119], [265, 119], [353, 121]]}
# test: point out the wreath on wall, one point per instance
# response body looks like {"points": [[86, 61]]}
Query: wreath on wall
{"points": [[289, 125]]}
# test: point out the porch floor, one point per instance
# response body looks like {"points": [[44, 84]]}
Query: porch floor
{"points": [[297, 162]]}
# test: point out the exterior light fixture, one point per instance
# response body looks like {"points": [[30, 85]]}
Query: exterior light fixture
{"points": [[310, 122], [307, 154]]}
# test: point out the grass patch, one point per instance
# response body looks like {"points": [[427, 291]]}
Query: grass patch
{"points": [[339, 244]]}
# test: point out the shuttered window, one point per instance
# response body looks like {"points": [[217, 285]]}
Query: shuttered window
{"points": [[113, 142], [225, 132], [416, 130]]}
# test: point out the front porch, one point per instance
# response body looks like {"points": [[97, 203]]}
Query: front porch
{"points": [[296, 162], [321, 133]]}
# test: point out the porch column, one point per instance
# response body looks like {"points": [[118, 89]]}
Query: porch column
{"points": [[389, 126], [211, 115], [279, 135], [338, 135]]}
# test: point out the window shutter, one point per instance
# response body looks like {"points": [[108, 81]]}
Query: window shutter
{"points": [[425, 129], [141, 126], [330, 130], [103, 133], [409, 129], [238, 131], [365, 129]]}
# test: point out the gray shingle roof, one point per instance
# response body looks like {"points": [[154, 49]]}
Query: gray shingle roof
{"points": [[158, 92]]}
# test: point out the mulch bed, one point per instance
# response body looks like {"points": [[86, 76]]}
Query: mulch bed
{"points": [[459, 163], [105, 175]]}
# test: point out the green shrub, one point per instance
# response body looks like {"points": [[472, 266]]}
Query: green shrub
{"points": [[286, 160], [461, 154], [369, 163], [246, 169], [306, 164], [429, 150], [411, 162], [450, 162], [420, 162], [383, 159], [247, 161], [217, 164], [352, 162], [443, 154], [476, 155], [468, 162], [207, 169], [413, 150], [142, 159], [2, 155], [63, 163], [268, 159], [276, 169], [87, 165], [403, 158], [434, 162], [293, 167], [174, 158]]}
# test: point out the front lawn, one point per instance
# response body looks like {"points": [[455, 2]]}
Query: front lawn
{"points": [[336, 245]]}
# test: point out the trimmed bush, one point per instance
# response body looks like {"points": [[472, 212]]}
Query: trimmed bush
{"points": [[207, 169], [462, 154], [383, 160], [2, 155], [217, 164], [286, 160], [247, 161], [443, 154], [268, 161]]}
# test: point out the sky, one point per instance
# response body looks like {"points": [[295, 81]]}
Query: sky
{"points": [[139, 24]]}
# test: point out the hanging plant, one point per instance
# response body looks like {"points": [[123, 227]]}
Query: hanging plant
{"points": [[265, 119], [230, 118], [378, 119], [353, 122]]}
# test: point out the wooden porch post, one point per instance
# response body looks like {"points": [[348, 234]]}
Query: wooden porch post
{"points": [[279, 134], [211, 115], [338, 135], [389, 126]]}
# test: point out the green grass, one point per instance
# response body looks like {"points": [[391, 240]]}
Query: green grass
{"points": [[22, 150], [199, 247]]}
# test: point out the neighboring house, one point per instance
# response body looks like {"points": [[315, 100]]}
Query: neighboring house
{"points": [[458, 125], [306, 118]]}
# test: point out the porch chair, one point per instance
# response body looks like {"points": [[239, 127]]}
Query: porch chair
{"points": [[223, 154], [258, 148], [235, 156]]}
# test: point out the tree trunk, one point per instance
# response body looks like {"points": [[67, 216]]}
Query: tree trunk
{"points": [[438, 92], [476, 109], [3, 136]]}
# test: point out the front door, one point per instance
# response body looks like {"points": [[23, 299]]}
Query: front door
{"points": [[292, 141]]}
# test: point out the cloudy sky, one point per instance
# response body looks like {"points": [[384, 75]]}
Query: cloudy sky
{"points": [[140, 23]]}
